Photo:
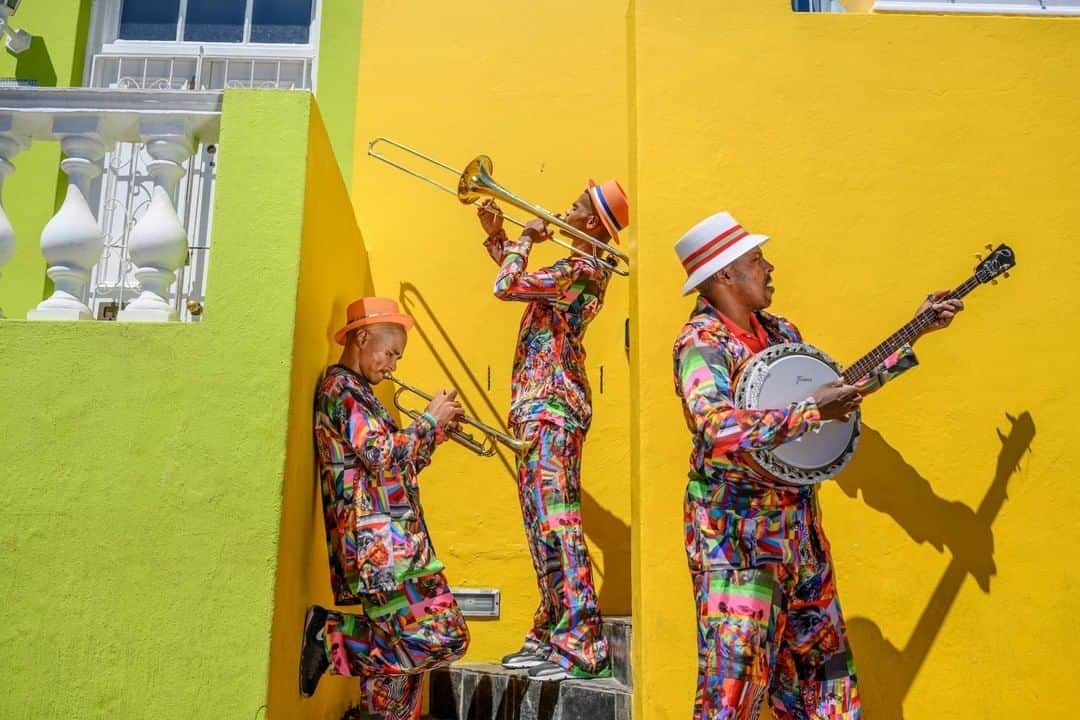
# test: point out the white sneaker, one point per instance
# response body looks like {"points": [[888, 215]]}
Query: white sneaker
{"points": [[549, 672], [528, 656]]}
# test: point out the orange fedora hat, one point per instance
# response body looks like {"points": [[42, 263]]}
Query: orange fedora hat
{"points": [[611, 206], [372, 311]]}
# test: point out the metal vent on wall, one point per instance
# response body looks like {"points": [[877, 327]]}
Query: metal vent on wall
{"points": [[477, 602]]}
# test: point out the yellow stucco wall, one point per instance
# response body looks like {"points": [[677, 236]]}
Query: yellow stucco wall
{"points": [[880, 152], [333, 272], [541, 88]]}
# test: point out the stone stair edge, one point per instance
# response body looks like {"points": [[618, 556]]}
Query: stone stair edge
{"points": [[607, 685]]}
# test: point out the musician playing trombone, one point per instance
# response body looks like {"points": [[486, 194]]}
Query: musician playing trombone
{"points": [[381, 558], [768, 616], [551, 407]]}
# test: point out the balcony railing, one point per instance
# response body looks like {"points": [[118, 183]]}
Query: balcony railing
{"points": [[88, 123], [199, 72]]}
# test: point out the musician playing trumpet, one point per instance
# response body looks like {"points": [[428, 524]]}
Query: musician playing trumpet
{"points": [[551, 408], [381, 558], [768, 616]]}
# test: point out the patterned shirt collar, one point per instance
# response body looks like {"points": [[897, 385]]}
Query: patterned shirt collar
{"points": [[769, 323], [367, 394]]}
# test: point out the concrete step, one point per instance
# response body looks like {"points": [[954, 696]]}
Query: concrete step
{"points": [[487, 691], [484, 691]]}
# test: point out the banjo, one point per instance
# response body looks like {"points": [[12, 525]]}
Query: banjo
{"points": [[787, 373]]}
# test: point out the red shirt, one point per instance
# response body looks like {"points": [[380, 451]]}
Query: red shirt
{"points": [[755, 339]]}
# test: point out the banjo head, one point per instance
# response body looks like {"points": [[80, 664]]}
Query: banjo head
{"points": [[784, 374]]}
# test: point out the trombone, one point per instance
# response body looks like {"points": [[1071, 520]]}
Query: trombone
{"points": [[492, 437], [475, 182]]}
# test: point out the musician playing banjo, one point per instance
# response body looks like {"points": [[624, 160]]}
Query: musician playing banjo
{"points": [[551, 407], [768, 616], [381, 558]]}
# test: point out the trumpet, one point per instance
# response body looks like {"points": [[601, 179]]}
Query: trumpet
{"points": [[484, 448], [475, 182]]}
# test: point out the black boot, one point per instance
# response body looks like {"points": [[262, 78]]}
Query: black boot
{"points": [[313, 660]]}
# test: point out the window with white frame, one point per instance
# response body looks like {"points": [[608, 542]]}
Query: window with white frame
{"points": [[985, 7], [203, 44]]}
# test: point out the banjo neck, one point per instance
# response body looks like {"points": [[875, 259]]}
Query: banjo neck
{"points": [[1001, 260], [905, 335]]}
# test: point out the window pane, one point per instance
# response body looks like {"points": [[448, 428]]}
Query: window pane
{"points": [[215, 21], [149, 19], [281, 21]]}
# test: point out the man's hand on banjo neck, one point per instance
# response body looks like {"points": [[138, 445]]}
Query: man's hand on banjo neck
{"points": [[945, 307]]}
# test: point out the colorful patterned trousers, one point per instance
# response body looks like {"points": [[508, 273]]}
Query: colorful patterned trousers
{"points": [[549, 487], [776, 629], [401, 635]]}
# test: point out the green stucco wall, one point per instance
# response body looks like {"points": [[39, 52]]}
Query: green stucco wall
{"points": [[143, 465], [339, 64], [55, 59]]}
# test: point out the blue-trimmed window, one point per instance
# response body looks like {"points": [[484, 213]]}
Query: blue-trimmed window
{"points": [[275, 22], [817, 6]]}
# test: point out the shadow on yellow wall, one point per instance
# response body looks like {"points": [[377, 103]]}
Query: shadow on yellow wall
{"points": [[334, 271], [890, 485]]}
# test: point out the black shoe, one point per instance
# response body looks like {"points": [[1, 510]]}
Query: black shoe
{"points": [[530, 655], [313, 661]]}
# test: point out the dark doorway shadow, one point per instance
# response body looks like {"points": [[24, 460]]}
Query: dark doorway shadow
{"points": [[886, 672], [612, 533], [604, 528]]}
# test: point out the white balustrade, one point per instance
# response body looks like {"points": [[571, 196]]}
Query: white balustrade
{"points": [[87, 123], [159, 242], [72, 241]]}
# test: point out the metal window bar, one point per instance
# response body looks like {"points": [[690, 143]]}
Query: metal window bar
{"points": [[126, 193], [249, 12]]}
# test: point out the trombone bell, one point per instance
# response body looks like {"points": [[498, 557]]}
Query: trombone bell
{"points": [[476, 182]]}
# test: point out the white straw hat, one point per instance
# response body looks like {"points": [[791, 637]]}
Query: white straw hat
{"points": [[711, 245]]}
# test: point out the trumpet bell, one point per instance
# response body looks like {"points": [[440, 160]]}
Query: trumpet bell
{"points": [[475, 181], [485, 447]]}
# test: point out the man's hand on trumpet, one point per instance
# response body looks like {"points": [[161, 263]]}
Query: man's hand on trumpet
{"points": [[537, 231], [491, 218], [446, 410]]}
